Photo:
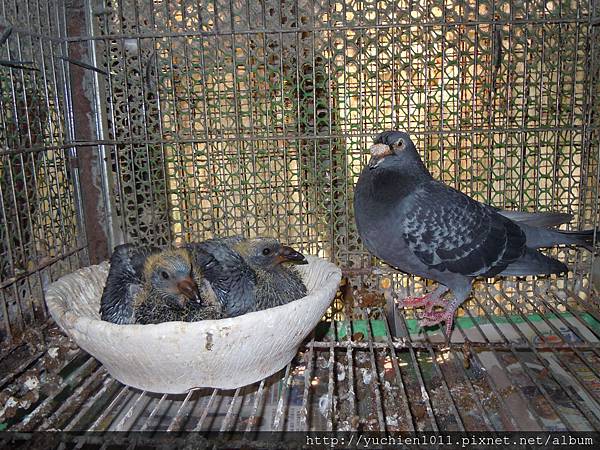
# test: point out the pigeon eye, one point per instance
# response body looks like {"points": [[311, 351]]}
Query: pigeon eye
{"points": [[164, 274], [266, 251]]}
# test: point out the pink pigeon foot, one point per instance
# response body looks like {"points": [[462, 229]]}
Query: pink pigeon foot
{"points": [[414, 302], [431, 318], [428, 301]]}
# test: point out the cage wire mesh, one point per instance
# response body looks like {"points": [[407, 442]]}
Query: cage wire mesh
{"points": [[242, 117], [39, 200]]}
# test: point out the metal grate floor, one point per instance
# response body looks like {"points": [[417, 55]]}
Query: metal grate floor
{"points": [[537, 368]]}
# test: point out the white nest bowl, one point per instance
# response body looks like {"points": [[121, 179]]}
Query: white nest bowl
{"points": [[174, 357]]}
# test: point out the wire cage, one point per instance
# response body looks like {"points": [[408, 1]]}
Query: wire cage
{"points": [[160, 121]]}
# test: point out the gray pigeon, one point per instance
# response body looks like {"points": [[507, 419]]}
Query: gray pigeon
{"points": [[252, 274], [425, 228]]}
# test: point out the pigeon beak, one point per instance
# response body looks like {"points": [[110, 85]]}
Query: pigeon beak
{"points": [[189, 289], [373, 163], [378, 152], [289, 254]]}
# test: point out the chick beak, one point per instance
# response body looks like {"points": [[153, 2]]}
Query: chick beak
{"points": [[291, 255], [188, 288]]}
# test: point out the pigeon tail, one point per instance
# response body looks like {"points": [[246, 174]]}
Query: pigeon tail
{"points": [[537, 219], [534, 263], [582, 238]]}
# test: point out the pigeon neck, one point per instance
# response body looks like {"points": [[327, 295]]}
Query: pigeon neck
{"points": [[399, 181]]}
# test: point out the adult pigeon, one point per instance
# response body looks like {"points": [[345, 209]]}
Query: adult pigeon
{"points": [[252, 275], [149, 285], [426, 228]]}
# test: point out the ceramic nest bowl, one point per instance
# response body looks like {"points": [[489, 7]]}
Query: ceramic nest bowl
{"points": [[174, 357]]}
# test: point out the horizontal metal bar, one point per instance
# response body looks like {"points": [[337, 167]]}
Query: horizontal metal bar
{"points": [[49, 262], [294, 137], [403, 343], [300, 30]]}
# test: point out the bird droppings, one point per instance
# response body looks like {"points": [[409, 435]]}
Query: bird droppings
{"points": [[10, 408], [324, 404], [209, 342], [367, 376], [340, 371], [366, 297], [391, 421], [42, 377], [31, 383], [358, 336]]}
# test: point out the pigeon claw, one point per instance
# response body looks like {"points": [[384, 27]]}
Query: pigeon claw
{"points": [[413, 302], [429, 301], [431, 318]]}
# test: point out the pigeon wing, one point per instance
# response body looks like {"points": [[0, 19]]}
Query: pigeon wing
{"points": [[124, 281], [232, 280], [447, 230]]}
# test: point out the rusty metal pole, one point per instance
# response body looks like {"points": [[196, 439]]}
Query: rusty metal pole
{"points": [[89, 159]]}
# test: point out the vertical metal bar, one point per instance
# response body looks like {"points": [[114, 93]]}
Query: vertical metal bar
{"points": [[377, 384], [74, 397], [64, 111], [351, 383], [210, 179], [253, 419], [5, 319], [526, 369], [109, 384], [500, 396], [329, 414], [78, 112], [396, 366], [146, 424], [32, 254], [473, 393], [104, 168], [279, 413], [453, 408], [307, 384], [177, 421], [100, 419], [418, 374], [129, 414], [229, 416], [198, 426], [130, 133]]}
